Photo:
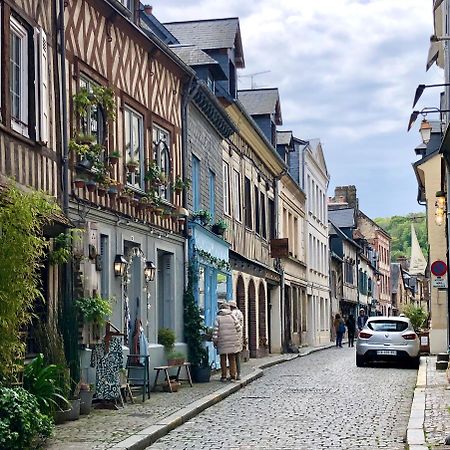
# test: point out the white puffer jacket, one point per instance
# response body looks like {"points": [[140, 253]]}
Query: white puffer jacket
{"points": [[237, 313], [227, 333]]}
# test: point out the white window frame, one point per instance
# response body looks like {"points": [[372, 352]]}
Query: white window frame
{"points": [[226, 188], [237, 196], [20, 124], [132, 180]]}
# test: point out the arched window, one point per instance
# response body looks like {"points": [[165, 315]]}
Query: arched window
{"points": [[161, 156]]}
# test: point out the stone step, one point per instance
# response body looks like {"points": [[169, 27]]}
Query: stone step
{"points": [[443, 357], [441, 365]]}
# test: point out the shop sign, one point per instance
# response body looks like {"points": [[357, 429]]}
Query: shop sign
{"points": [[439, 283], [279, 248]]}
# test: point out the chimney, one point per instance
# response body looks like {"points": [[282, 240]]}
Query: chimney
{"points": [[403, 261], [347, 194], [148, 9]]}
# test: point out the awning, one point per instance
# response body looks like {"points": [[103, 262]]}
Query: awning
{"points": [[433, 53]]}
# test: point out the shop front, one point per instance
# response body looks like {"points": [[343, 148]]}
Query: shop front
{"points": [[208, 260]]}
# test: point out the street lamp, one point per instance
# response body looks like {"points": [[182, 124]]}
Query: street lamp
{"points": [[120, 266], [425, 131], [149, 271]]}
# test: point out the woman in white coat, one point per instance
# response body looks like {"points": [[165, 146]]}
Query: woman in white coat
{"points": [[227, 339]]}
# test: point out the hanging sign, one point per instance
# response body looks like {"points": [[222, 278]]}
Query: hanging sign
{"points": [[279, 248], [439, 268]]}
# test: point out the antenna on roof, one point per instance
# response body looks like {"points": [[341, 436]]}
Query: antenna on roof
{"points": [[252, 76]]}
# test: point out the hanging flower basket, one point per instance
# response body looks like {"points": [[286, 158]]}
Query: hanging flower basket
{"points": [[124, 198], [101, 191], [132, 166], [79, 183], [91, 185]]}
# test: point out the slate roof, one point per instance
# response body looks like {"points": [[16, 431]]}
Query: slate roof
{"points": [[261, 102], [342, 218], [193, 56], [210, 35], [284, 137]]}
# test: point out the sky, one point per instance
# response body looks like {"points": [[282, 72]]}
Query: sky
{"points": [[347, 71]]}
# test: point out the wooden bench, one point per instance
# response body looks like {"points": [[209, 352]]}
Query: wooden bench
{"points": [[165, 369]]}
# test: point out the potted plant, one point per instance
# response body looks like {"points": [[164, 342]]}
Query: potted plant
{"points": [[86, 395], [102, 188], [79, 181], [153, 174], [132, 165], [94, 309], [202, 216], [91, 185], [219, 227], [178, 185], [175, 358], [84, 138], [166, 337], [126, 195], [114, 157]]}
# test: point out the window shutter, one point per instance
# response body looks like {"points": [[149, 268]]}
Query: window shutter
{"points": [[43, 109]]}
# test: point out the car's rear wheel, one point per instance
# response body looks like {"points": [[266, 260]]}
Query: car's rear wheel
{"points": [[359, 360], [415, 362]]}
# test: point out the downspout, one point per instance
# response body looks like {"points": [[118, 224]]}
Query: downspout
{"points": [[69, 329]]}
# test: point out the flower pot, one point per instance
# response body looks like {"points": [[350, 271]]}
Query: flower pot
{"points": [[85, 164], [101, 191], [113, 160], [79, 183], [201, 374], [91, 185], [175, 361], [174, 384], [124, 199], [131, 168], [61, 416], [218, 230], [74, 412], [86, 401]]}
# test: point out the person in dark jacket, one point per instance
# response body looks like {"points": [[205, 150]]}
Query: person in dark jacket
{"points": [[362, 319], [351, 327], [339, 327]]}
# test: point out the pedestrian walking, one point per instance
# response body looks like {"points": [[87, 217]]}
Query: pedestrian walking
{"points": [[237, 313], [351, 328], [227, 339], [362, 319], [339, 326]]}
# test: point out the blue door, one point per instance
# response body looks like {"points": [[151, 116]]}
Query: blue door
{"points": [[211, 310]]}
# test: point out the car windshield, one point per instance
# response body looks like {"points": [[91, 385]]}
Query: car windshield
{"points": [[387, 325]]}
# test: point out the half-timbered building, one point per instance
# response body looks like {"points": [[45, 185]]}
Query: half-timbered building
{"points": [[125, 90]]}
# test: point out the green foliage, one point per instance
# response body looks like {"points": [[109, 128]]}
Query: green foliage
{"points": [[22, 424], [101, 96], [62, 247], [203, 216], [179, 184], [44, 382], [153, 174], [416, 314], [175, 355], [166, 337], [194, 327], [94, 309], [399, 227], [22, 249]]}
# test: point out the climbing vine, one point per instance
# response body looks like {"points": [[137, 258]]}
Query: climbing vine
{"points": [[217, 263], [22, 248]]}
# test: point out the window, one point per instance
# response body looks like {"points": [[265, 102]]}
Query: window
{"points": [[257, 212], [196, 201], [134, 146], [226, 188], [210, 83], [92, 122], [248, 203], [237, 205], [161, 156], [126, 3], [212, 194], [263, 216], [271, 219], [18, 74], [105, 266]]}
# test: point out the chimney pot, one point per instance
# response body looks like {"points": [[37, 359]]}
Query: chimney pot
{"points": [[148, 9]]}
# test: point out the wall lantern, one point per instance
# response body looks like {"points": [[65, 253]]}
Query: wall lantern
{"points": [[378, 280], [120, 266], [149, 271], [425, 131]]}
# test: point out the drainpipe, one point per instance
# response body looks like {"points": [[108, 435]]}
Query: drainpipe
{"points": [[69, 327]]}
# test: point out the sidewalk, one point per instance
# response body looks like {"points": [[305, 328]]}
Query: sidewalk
{"points": [[437, 404], [138, 425], [429, 422]]}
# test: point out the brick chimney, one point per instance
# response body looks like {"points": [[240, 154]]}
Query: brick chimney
{"points": [[346, 194], [148, 9], [403, 261]]}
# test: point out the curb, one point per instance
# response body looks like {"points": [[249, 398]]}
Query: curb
{"points": [[148, 436], [415, 436]]}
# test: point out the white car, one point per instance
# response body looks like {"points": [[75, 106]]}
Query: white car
{"points": [[388, 339]]}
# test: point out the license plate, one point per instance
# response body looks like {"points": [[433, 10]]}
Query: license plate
{"points": [[387, 352]]}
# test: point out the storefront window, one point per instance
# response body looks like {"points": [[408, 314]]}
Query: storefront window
{"points": [[201, 290], [221, 287]]}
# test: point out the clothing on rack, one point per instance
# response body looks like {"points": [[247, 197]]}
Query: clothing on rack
{"points": [[108, 363]]}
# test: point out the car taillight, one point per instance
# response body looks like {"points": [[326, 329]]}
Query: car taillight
{"points": [[409, 336], [364, 335]]}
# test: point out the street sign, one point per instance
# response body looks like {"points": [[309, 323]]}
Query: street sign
{"points": [[440, 283], [439, 268], [279, 248]]}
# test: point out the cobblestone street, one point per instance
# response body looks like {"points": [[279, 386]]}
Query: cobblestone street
{"points": [[319, 402]]}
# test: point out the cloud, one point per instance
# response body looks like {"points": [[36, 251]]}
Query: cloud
{"points": [[347, 71]]}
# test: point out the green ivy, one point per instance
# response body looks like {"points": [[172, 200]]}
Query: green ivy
{"points": [[217, 263], [194, 326], [22, 249]]}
